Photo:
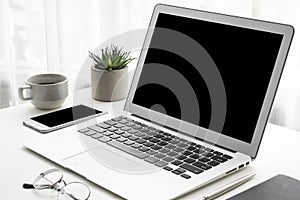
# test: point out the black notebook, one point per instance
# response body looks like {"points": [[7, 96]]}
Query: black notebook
{"points": [[279, 187]]}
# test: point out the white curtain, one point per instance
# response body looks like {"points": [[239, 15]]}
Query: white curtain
{"points": [[287, 102], [54, 36]]}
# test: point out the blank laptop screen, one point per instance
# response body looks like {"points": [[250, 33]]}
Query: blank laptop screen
{"points": [[209, 74]]}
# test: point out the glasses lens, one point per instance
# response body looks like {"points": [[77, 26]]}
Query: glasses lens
{"points": [[48, 179], [74, 190]]}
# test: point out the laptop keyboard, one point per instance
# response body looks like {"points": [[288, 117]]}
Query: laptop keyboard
{"points": [[155, 146]]}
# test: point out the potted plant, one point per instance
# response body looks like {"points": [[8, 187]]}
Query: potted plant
{"points": [[109, 73]]}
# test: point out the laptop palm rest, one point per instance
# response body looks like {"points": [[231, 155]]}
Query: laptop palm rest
{"points": [[115, 159]]}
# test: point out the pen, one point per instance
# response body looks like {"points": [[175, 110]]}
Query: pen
{"points": [[230, 186]]}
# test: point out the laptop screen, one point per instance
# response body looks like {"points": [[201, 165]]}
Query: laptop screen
{"points": [[219, 83]]}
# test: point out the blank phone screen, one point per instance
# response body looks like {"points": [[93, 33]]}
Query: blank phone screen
{"points": [[65, 115]]}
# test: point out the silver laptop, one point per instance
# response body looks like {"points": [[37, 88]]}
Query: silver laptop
{"points": [[196, 110]]}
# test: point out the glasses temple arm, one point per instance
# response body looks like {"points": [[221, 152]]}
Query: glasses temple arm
{"points": [[28, 186]]}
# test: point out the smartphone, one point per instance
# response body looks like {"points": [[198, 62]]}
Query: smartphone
{"points": [[62, 118]]}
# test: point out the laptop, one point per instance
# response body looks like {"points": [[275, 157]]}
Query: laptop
{"points": [[196, 110]]}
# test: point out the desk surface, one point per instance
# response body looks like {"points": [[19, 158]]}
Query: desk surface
{"points": [[278, 154]]}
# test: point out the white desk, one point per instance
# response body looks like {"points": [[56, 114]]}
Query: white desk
{"points": [[278, 154]]}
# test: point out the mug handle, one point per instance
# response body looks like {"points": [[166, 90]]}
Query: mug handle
{"points": [[21, 94]]}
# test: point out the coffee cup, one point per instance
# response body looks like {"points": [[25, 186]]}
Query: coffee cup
{"points": [[46, 91]]}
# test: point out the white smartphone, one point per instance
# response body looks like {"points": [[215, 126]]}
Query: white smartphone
{"points": [[62, 118]]}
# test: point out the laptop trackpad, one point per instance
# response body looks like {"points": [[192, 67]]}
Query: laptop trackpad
{"points": [[116, 160]]}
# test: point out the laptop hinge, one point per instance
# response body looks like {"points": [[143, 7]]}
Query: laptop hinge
{"points": [[172, 129]]}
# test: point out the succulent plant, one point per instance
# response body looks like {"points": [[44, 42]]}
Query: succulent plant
{"points": [[113, 58]]}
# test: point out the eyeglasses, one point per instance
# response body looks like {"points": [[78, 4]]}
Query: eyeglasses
{"points": [[53, 179]]}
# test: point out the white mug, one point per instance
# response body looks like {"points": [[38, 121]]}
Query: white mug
{"points": [[46, 91]]}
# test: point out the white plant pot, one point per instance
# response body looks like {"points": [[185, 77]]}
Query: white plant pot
{"points": [[109, 85]]}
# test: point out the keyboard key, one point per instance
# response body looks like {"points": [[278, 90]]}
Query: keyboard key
{"points": [[121, 139], [132, 131], [207, 154], [160, 155], [152, 152], [97, 129], [144, 130], [137, 127], [177, 172], [172, 154], [177, 162], [107, 133], [178, 149], [103, 125], [181, 157], [193, 144], [141, 141], [128, 149], [128, 142], [191, 148], [97, 135], [183, 140], [199, 146], [195, 156], [136, 145], [139, 134], [185, 176], [218, 153], [167, 139], [154, 140], [187, 153], [133, 138], [126, 135], [181, 170], [174, 142], [191, 168], [213, 163], [118, 125], [151, 159], [161, 163], [208, 149], [130, 124], [112, 129], [90, 132], [148, 144], [117, 119], [151, 133], [168, 168], [199, 151], [182, 145], [201, 165], [170, 146], [125, 128], [156, 147], [123, 121], [119, 132], [168, 159], [158, 136], [144, 149], [114, 136], [204, 159], [164, 150], [104, 139], [147, 137], [83, 130], [219, 159], [189, 160], [227, 156], [110, 122]]}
